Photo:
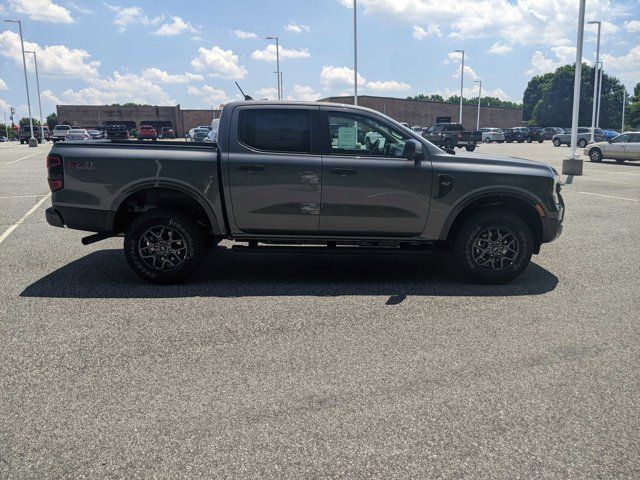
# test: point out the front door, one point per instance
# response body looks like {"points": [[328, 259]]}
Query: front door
{"points": [[632, 150], [368, 186], [274, 177], [616, 149]]}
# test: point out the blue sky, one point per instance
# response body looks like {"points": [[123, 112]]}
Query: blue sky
{"points": [[190, 52]]}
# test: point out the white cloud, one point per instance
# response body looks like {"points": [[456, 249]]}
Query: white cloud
{"points": [[268, 54], [119, 88], [211, 96], [3, 85], [161, 76], [218, 63], [499, 49], [419, 33], [472, 92], [468, 73], [270, 93], [563, 55], [52, 59], [81, 9], [626, 66], [303, 93], [338, 77], [632, 26], [388, 86], [295, 28], [127, 16], [41, 10], [244, 35], [176, 27]]}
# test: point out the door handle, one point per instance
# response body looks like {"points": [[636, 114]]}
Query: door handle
{"points": [[251, 168], [343, 171]]}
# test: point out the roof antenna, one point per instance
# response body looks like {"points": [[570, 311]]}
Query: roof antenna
{"points": [[246, 97]]}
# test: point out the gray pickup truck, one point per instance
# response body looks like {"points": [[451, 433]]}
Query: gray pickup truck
{"points": [[284, 175]]}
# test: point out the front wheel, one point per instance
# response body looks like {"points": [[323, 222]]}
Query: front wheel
{"points": [[595, 155], [582, 143], [529, 139], [470, 148], [487, 140], [493, 247], [164, 246], [540, 140], [556, 142]]}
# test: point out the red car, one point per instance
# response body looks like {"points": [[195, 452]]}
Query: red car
{"points": [[147, 132]]}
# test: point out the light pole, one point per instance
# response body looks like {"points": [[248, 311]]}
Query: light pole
{"points": [[595, 81], [32, 141], [6, 127], [479, 82], [599, 95], [277, 39], [461, 82], [35, 61], [572, 165], [624, 102], [355, 52], [280, 83]]}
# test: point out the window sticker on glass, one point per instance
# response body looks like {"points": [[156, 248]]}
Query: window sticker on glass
{"points": [[347, 137]]}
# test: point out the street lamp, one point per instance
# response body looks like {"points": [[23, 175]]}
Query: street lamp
{"points": [[479, 82], [35, 61], [599, 95], [595, 81], [624, 102], [277, 63], [355, 53], [461, 82], [32, 141], [572, 165], [280, 83]]}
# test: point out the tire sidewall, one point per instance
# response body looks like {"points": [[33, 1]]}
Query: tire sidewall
{"points": [[188, 230], [598, 155], [478, 223]]}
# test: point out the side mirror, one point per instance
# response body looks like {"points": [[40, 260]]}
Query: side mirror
{"points": [[413, 150]]}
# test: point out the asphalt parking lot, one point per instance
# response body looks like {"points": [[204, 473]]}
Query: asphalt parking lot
{"points": [[295, 366]]}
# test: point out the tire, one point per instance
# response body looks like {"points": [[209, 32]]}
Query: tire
{"points": [[493, 265], [487, 140], [582, 143], [595, 155], [529, 139], [520, 141], [620, 161], [509, 141], [470, 148], [556, 142], [172, 230], [448, 143], [541, 140]]}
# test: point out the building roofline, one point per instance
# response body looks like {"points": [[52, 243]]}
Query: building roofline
{"points": [[350, 97]]}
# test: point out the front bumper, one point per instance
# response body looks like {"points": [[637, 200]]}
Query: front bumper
{"points": [[552, 223]]}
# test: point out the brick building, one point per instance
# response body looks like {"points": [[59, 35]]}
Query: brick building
{"points": [[424, 113], [181, 120]]}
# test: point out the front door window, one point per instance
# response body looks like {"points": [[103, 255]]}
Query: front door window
{"points": [[359, 135]]}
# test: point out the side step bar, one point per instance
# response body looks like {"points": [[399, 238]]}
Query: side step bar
{"points": [[331, 250]]}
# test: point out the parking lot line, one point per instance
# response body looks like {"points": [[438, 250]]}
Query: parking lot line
{"points": [[14, 161], [604, 181], [24, 196], [619, 173], [9, 230], [606, 196]]}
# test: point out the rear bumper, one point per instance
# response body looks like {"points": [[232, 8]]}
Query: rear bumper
{"points": [[87, 219]]}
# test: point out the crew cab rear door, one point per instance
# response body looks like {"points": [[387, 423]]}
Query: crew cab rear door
{"points": [[274, 173], [370, 190]]}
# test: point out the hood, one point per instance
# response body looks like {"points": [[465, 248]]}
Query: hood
{"points": [[511, 164]]}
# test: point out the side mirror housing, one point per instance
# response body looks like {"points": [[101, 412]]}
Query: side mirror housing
{"points": [[413, 150]]}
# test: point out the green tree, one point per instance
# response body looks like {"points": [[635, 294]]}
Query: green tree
{"points": [[24, 121], [632, 114], [52, 120], [548, 99]]}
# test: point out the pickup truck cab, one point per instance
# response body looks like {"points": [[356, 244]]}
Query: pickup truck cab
{"points": [[296, 173], [60, 133], [450, 135]]}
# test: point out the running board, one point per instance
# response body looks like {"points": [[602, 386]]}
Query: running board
{"points": [[331, 250]]}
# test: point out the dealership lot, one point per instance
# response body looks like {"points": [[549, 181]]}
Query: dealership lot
{"points": [[296, 365]]}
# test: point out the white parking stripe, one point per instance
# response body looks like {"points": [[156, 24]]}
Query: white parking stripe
{"points": [[14, 161], [25, 196], [601, 195], [604, 181], [9, 230], [618, 173]]}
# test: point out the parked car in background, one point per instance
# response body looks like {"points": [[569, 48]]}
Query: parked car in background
{"points": [[117, 132], [621, 148], [3, 139], [77, 134], [610, 134], [512, 135], [531, 134], [490, 134], [60, 132], [95, 134], [167, 132], [212, 137], [584, 137], [418, 129], [147, 132], [103, 130], [549, 132], [197, 134], [450, 135]]}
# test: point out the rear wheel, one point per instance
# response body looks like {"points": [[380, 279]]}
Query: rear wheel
{"points": [[470, 148], [540, 140], [493, 246], [556, 142], [529, 139], [164, 246], [582, 143], [487, 140], [595, 155]]}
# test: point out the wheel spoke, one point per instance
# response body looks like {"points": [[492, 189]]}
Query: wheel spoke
{"points": [[162, 248], [495, 248]]}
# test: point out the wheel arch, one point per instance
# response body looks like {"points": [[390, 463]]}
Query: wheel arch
{"points": [[516, 202]]}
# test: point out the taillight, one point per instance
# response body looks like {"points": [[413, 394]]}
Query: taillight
{"points": [[55, 172]]}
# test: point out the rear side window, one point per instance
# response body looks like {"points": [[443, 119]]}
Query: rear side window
{"points": [[276, 130]]}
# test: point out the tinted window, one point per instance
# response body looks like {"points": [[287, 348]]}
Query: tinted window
{"points": [[276, 130]]}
